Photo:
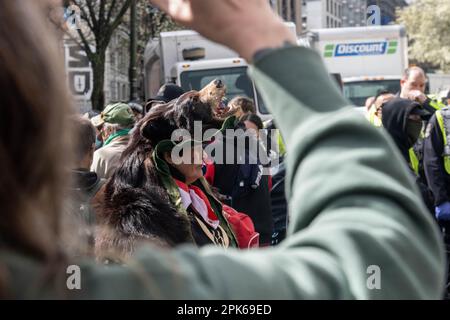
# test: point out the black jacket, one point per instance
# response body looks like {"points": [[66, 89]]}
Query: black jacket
{"points": [[437, 177], [395, 118], [253, 201]]}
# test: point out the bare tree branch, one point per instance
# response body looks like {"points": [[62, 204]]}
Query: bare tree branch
{"points": [[117, 20], [111, 9], [86, 45], [119, 16], [85, 17], [101, 15], [92, 14]]}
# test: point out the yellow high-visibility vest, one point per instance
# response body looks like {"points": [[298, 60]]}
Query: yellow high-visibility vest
{"points": [[371, 115], [281, 146], [443, 119], [415, 156], [414, 161], [435, 102]]}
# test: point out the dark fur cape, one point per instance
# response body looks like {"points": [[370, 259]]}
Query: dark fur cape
{"points": [[134, 206]]}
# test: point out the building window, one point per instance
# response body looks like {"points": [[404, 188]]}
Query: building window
{"points": [[284, 9], [113, 58], [113, 90], [293, 11], [124, 92]]}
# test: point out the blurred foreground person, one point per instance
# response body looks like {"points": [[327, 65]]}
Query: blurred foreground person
{"points": [[79, 216], [350, 214], [85, 183]]}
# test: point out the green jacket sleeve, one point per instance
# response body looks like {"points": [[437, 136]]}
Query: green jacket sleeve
{"points": [[358, 228]]}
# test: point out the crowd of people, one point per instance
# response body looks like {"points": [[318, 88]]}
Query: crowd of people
{"points": [[107, 193], [419, 126], [416, 123]]}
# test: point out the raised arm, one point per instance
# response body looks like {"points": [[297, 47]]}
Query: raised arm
{"points": [[359, 228]]}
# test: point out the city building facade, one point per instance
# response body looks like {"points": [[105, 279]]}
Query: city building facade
{"points": [[318, 14], [289, 10]]}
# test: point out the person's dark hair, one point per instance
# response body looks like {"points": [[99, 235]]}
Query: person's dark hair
{"points": [[382, 92], [254, 119], [84, 136], [136, 107], [167, 93], [246, 104], [35, 145]]}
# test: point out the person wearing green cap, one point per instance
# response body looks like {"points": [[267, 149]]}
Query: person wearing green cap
{"points": [[117, 120]]}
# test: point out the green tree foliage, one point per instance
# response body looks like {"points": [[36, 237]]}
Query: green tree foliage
{"points": [[428, 24]]}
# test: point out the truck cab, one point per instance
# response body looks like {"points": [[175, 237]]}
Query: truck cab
{"points": [[369, 59], [358, 89], [233, 72], [191, 61]]}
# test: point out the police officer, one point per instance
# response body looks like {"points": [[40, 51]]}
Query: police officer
{"points": [[437, 170], [413, 85], [437, 161]]}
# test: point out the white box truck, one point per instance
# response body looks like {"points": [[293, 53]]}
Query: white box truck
{"points": [[438, 82], [368, 59], [191, 61]]}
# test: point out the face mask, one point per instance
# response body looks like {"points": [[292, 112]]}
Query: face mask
{"points": [[413, 129]]}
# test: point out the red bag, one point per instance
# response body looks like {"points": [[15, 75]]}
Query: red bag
{"points": [[243, 228]]}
